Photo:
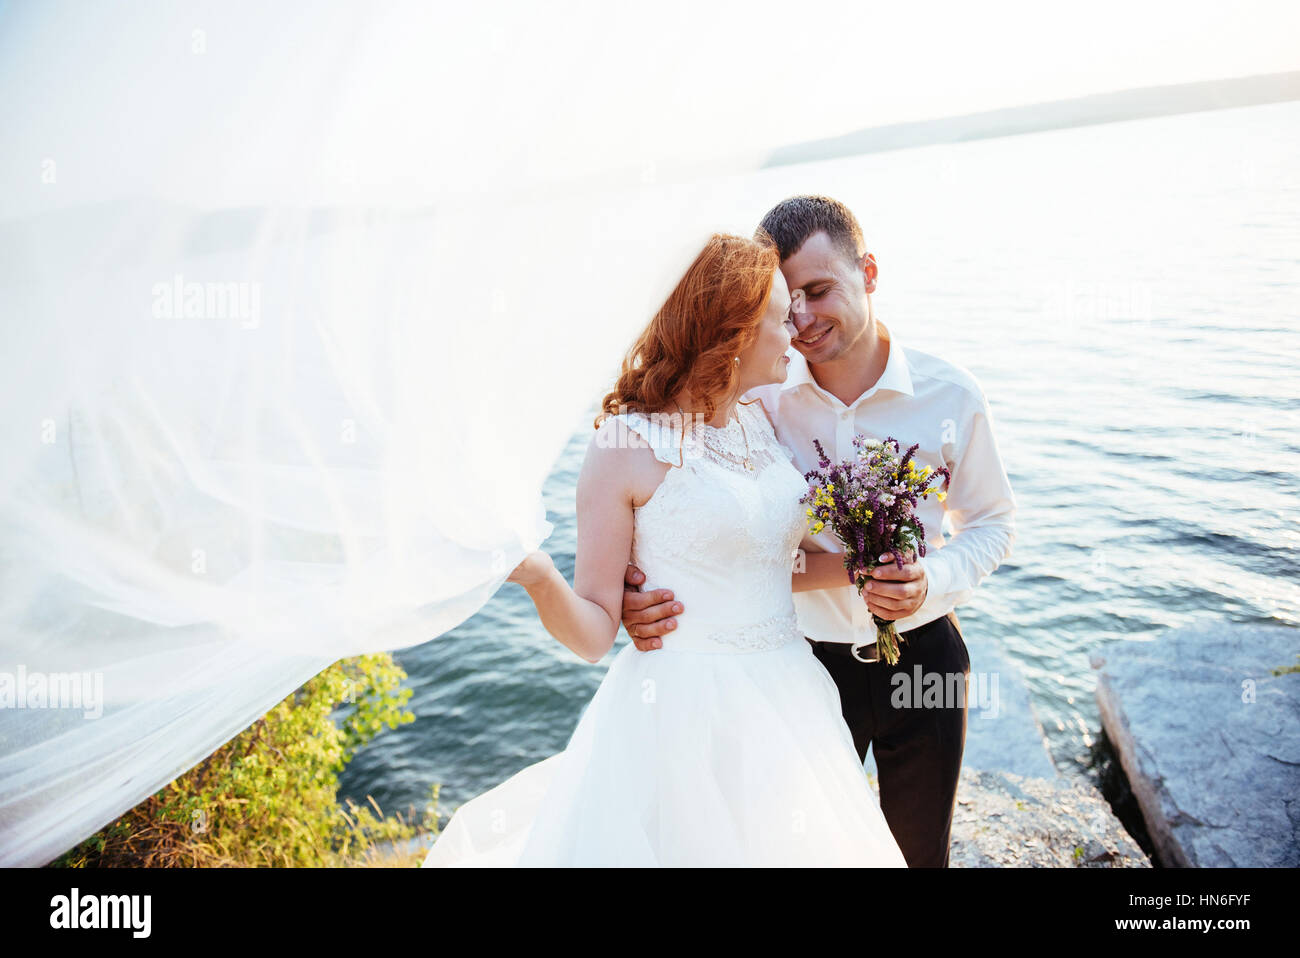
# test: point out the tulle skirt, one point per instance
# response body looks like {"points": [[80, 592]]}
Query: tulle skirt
{"points": [[683, 759]]}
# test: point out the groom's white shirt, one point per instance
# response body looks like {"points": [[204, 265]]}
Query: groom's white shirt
{"points": [[919, 398]]}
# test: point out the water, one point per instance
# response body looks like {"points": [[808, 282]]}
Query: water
{"points": [[1129, 299]]}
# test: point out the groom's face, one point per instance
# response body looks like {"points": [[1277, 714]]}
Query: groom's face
{"points": [[835, 289]]}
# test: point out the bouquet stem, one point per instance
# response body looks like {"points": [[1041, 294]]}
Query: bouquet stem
{"points": [[887, 637]]}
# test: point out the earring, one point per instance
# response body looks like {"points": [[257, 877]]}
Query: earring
{"points": [[737, 360]]}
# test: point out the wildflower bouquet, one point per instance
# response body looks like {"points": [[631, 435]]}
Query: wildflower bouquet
{"points": [[869, 501]]}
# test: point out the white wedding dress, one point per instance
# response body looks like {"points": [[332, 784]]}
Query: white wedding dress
{"points": [[727, 746]]}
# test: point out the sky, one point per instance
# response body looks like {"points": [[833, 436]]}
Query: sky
{"points": [[230, 102]]}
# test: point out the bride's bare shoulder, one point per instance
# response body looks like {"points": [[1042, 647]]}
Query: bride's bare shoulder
{"points": [[620, 456]]}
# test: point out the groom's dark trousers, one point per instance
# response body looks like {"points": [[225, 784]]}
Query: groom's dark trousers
{"points": [[917, 749]]}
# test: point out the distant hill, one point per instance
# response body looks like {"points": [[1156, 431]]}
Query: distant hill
{"points": [[1058, 114]]}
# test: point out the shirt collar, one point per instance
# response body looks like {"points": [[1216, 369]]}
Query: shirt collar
{"points": [[896, 376]]}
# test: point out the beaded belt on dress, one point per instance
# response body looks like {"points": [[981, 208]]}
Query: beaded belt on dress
{"points": [[756, 637]]}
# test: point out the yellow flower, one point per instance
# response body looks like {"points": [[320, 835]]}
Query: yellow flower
{"points": [[942, 496]]}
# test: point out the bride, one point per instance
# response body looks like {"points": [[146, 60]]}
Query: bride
{"points": [[727, 746]]}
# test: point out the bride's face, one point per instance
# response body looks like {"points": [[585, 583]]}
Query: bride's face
{"points": [[765, 360]]}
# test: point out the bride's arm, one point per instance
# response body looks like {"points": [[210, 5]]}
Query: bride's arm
{"points": [[585, 618], [821, 570]]}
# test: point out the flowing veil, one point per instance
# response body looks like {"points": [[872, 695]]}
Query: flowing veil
{"points": [[300, 306]]}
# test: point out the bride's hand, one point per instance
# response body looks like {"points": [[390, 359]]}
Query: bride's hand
{"points": [[534, 569]]}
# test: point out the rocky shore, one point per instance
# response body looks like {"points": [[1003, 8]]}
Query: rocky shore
{"points": [[1007, 820], [1014, 809], [1205, 722]]}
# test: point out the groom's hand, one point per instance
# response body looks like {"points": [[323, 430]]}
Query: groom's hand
{"points": [[893, 593], [647, 615]]}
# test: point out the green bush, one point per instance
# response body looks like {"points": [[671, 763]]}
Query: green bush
{"points": [[269, 796]]}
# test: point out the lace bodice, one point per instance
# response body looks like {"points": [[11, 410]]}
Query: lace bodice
{"points": [[720, 535]]}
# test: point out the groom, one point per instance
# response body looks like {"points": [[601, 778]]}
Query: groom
{"points": [[849, 375]]}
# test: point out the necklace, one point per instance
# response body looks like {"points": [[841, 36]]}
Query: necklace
{"points": [[747, 461]]}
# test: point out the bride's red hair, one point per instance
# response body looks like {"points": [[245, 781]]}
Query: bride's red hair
{"points": [[692, 341]]}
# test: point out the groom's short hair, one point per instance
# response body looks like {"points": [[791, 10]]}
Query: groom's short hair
{"points": [[792, 221]]}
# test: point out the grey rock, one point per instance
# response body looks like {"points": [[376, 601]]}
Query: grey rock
{"points": [[1209, 739], [1095, 852], [1007, 820]]}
